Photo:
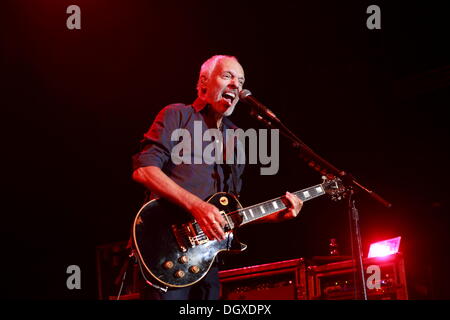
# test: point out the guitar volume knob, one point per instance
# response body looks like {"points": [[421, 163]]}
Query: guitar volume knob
{"points": [[168, 265], [179, 274], [183, 259], [194, 269]]}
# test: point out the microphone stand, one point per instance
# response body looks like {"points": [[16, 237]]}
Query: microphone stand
{"points": [[319, 164]]}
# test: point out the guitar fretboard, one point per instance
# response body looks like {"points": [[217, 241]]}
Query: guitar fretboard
{"points": [[266, 208]]}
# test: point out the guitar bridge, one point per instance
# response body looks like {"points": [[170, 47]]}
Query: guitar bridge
{"points": [[197, 237]]}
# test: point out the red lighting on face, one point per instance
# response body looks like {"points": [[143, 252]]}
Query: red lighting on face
{"points": [[384, 248]]}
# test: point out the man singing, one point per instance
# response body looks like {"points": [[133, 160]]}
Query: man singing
{"points": [[189, 184]]}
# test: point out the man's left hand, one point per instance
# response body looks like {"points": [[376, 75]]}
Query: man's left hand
{"points": [[293, 204], [293, 207]]}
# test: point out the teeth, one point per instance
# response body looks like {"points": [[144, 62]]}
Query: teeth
{"points": [[230, 94]]}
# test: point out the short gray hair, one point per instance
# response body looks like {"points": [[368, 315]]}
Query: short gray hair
{"points": [[208, 66]]}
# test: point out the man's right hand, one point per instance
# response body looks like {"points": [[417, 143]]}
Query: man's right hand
{"points": [[209, 219]]}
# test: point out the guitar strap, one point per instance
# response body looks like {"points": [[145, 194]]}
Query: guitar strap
{"points": [[234, 179], [230, 169]]}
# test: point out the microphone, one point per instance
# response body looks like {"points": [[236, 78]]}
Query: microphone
{"points": [[246, 96]]}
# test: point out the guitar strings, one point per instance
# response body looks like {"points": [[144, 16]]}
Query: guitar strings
{"points": [[231, 214], [201, 235]]}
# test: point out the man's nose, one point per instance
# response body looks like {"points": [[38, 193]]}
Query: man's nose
{"points": [[234, 83]]}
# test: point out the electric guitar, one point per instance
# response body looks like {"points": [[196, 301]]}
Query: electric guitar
{"points": [[172, 249]]}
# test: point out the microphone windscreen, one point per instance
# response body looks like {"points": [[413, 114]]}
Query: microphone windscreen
{"points": [[244, 94]]}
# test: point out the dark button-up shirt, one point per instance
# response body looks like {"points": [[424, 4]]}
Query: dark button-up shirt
{"points": [[201, 179]]}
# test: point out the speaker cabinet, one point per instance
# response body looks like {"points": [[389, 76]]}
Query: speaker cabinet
{"points": [[385, 279], [284, 280]]}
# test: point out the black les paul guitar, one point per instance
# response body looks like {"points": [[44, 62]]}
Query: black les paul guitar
{"points": [[173, 250]]}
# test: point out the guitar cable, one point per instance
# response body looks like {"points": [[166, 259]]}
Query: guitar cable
{"points": [[132, 255], [145, 278]]}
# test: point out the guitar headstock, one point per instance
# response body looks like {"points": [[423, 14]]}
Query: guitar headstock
{"points": [[334, 187]]}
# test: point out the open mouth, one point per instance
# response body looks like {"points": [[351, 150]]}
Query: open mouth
{"points": [[229, 96]]}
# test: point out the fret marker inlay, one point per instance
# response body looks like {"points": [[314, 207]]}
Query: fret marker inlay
{"points": [[275, 205], [262, 209], [306, 194], [319, 189]]}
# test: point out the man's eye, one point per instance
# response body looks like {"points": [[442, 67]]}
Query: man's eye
{"points": [[226, 76]]}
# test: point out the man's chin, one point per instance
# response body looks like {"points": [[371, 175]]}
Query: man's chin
{"points": [[229, 110], [224, 107]]}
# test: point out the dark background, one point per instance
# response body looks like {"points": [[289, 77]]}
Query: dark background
{"points": [[75, 104]]}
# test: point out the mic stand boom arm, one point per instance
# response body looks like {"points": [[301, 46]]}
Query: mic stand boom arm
{"points": [[327, 169], [314, 160]]}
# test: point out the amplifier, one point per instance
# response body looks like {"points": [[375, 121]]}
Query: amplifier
{"points": [[385, 279], [112, 262], [284, 280]]}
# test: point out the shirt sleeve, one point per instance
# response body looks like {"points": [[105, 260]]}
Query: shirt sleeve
{"points": [[156, 144]]}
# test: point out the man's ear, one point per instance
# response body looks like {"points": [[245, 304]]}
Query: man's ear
{"points": [[203, 82]]}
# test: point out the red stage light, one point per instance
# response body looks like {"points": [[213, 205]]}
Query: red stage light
{"points": [[384, 248]]}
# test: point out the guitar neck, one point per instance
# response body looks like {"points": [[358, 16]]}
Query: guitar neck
{"points": [[258, 211]]}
